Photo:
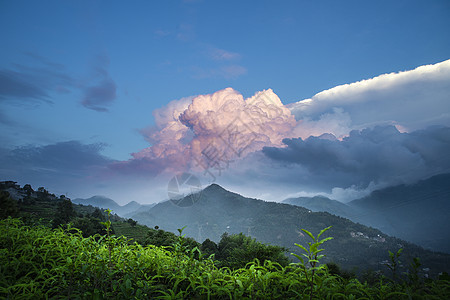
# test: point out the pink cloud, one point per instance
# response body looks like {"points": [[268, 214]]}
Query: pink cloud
{"points": [[204, 130]]}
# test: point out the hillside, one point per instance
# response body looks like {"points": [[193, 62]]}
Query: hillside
{"points": [[416, 213], [324, 204], [419, 212], [218, 211]]}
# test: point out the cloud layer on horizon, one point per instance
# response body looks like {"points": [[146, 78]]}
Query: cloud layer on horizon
{"points": [[410, 100]]}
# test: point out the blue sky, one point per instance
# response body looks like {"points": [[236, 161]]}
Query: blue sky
{"points": [[94, 72]]}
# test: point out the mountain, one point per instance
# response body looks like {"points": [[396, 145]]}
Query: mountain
{"points": [[217, 211], [418, 213], [107, 203], [98, 201], [321, 203]]}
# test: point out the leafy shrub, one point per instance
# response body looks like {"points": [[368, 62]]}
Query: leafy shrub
{"points": [[39, 263]]}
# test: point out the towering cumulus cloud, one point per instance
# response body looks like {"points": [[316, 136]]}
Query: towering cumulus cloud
{"points": [[208, 130]]}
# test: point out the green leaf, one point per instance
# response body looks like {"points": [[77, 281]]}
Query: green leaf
{"points": [[301, 247], [299, 257], [322, 231], [309, 233], [326, 239]]}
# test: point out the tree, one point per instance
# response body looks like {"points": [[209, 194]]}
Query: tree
{"points": [[166, 238], [132, 222], [235, 251], [97, 213], [208, 247], [89, 226], [64, 213], [8, 206]]}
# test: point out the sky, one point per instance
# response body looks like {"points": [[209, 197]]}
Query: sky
{"points": [[269, 99]]}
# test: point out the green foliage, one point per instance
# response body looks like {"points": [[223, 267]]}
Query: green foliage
{"points": [[335, 269], [394, 263], [64, 213], [38, 263], [132, 222], [160, 237], [8, 206], [235, 251], [311, 267], [88, 226]]}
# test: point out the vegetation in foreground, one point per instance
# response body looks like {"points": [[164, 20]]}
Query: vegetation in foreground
{"points": [[40, 262]]}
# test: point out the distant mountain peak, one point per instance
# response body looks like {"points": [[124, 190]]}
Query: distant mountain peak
{"points": [[214, 187]]}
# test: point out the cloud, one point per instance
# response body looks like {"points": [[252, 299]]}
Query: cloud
{"points": [[232, 71], [206, 130], [162, 32], [40, 79], [43, 60], [369, 158], [185, 32], [342, 147], [70, 155], [228, 72], [101, 95], [32, 84], [63, 165], [337, 122], [411, 99], [223, 55], [13, 84]]}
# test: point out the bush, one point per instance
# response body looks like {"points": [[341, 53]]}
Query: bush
{"points": [[39, 263]]}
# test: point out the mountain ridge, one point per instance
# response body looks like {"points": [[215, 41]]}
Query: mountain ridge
{"points": [[217, 211], [416, 212]]}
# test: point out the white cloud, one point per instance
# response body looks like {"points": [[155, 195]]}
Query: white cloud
{"points": [[412, 99], [221, 54]]}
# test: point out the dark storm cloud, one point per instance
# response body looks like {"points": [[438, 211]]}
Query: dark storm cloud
{"points": [[378, 155]]}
